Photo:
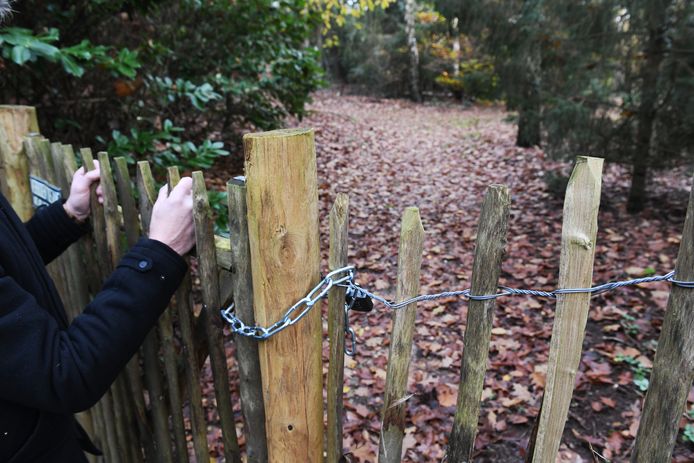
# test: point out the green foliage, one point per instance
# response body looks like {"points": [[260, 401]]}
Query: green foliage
{"points": [[641, 372], [689, 433], [172, 82], [23, 47], [477, 79]]}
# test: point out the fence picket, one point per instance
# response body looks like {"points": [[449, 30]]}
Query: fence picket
{"points": [[250, 383], [579, 231], [166, 334], [191, 373], [16, 122], [131, 225], [489, 250], [152, 366], [395, 400], [209, 280], [673, 367], [339, 226]]}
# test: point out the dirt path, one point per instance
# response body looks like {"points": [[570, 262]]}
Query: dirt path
{"points": [[390, 154]]}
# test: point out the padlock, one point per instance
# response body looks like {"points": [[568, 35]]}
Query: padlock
{"points": [[361, 303]]}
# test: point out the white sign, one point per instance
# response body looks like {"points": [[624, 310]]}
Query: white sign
{"points": [[42, 192]]}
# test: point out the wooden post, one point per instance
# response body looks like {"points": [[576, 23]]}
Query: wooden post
{"points": [[166, 335], [152, 367], [491, 241], [395, 401], [673, 368], [209, 280], [250, 383], [122, 404], [131, 224], [16, 122], [186, 319], [282, 199], [579, 232], [339, 226]]}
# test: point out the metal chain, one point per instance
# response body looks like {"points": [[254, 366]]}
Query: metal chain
{"points": [[295, 312], [354, 291]]}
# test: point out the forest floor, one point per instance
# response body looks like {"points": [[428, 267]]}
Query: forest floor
{"points": [[388, 154]]}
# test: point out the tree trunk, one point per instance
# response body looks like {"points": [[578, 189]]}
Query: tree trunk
{"points": [[530, 107], [656, 16], [455, 31], [410, 8]]}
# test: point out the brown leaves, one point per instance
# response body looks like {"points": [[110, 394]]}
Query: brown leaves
{"points": [[389, 154]]}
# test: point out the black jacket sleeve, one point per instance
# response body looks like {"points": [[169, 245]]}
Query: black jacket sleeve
{"points": [[67, 371], [53, 230]]}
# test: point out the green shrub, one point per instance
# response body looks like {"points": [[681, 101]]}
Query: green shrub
{"points": [[172, 82]]}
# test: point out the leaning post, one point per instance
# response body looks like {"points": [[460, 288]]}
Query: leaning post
{"points": [[16, 122], [489, 251], [282, 201], [673, 368], [579, 232]]}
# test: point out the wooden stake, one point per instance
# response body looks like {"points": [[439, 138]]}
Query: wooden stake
{"points": [[282, 199], [250, 384], [16, 122], [673, 368], [153, 379], [123, 403], [395, 401], [579, 232], [209, 280], [131, 224], [166, 335], [491, 241], [186, 319], [339, 226]]}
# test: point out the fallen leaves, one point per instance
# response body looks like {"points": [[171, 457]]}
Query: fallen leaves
{"points": [[390, 154]]}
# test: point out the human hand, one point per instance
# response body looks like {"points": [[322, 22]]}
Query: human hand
{"points": [[78, 205], [172, 217]]}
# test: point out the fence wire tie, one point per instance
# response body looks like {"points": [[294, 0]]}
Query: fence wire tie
{"points": [[344, 277]]}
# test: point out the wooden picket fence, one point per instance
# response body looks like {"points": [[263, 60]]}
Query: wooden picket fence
{"points": [[155, 410]]}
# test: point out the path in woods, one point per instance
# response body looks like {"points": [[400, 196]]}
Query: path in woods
{"points": [[390, 154]]}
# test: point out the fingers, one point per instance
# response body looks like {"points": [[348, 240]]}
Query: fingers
{"points": [[163, 193], [100, 194], [183, 189]]}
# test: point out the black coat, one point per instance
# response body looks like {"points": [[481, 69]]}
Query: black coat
{"points": [[49, 370]]}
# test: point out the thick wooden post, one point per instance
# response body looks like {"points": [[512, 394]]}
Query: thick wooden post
{"points": [[400, 353], [673, 368], [250, 383], [579, 232], [339, 225], [491, 241], [16, 122], [282, 200]]}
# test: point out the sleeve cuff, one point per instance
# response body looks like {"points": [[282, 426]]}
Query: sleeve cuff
{"points": [[61, 223], [154, 257]]}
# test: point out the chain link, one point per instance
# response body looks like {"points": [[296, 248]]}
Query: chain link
{"points": [[344, 277]]}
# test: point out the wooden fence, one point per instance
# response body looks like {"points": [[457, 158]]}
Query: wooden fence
{"points": [[155, 411]]}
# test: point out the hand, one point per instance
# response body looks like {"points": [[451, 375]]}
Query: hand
{"points": [[77, 205], [172, 217]]}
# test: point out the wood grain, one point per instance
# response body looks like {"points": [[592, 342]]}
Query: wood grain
{"points": [[673, 367], [579, 231], [282, 201], [16, 122], [250, 383], [209, 281], [400, 353], [489, 251], [339, 227]]}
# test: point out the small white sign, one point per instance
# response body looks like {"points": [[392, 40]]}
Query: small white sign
{"points": [[42, 192]]}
